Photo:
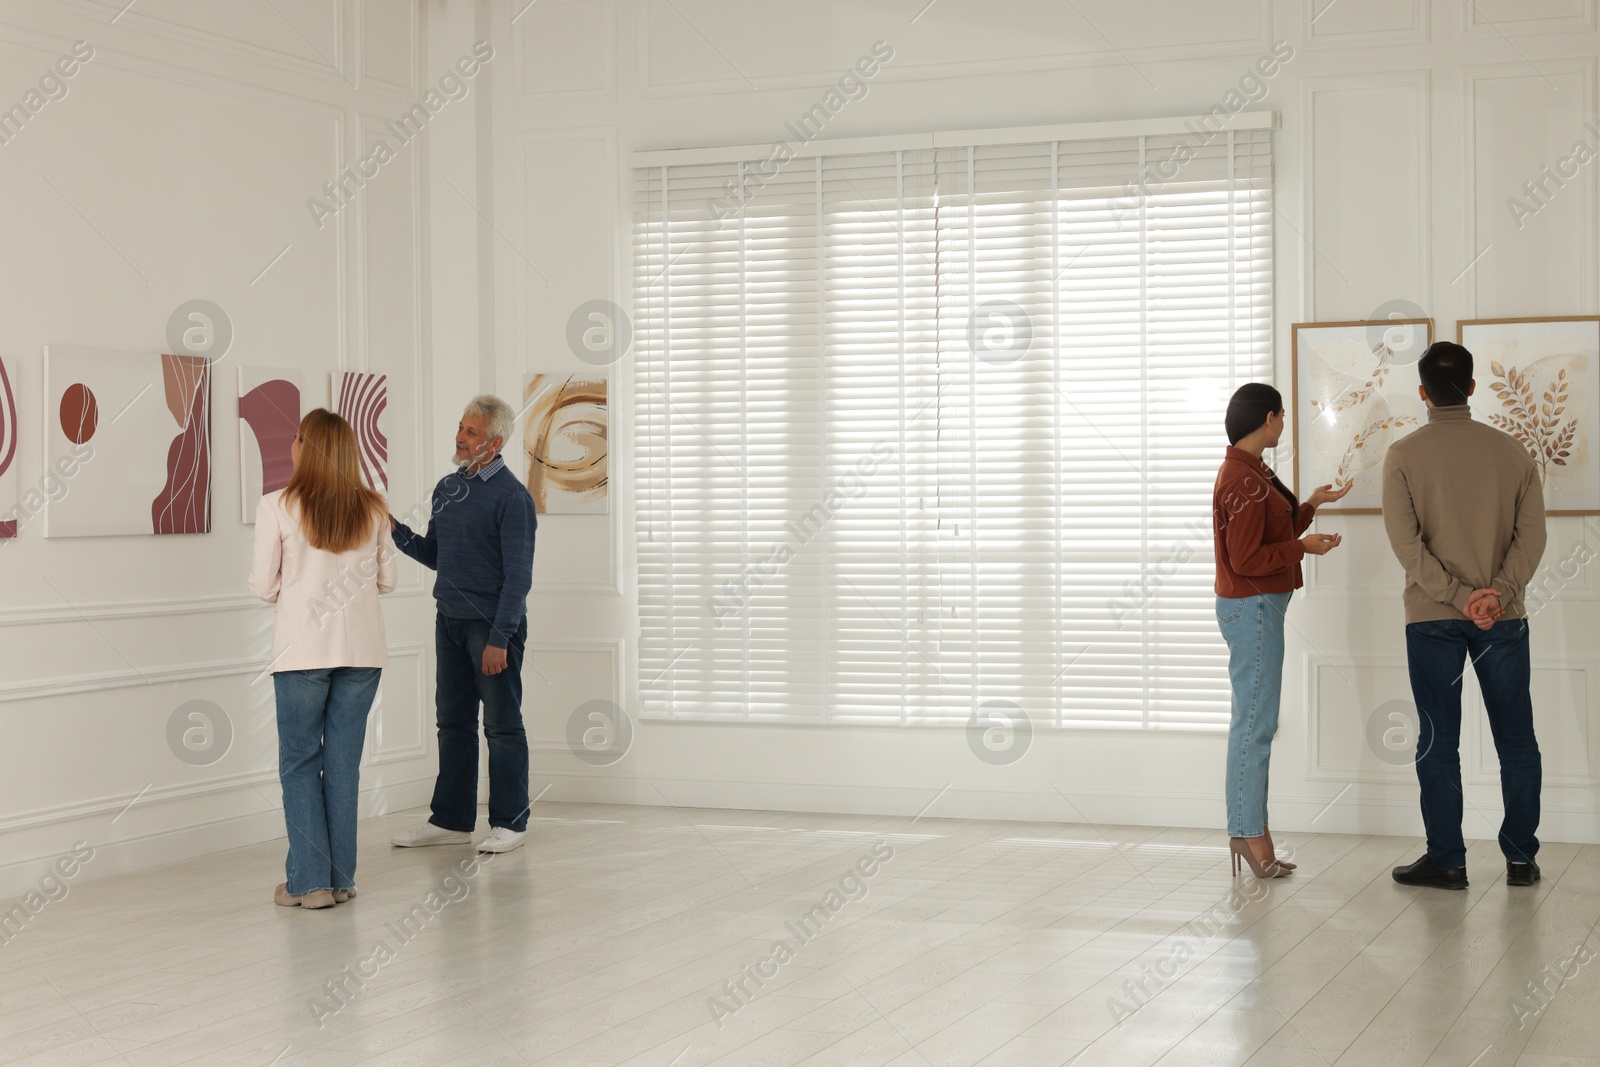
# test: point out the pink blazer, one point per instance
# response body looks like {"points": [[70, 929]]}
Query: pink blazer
{"points": [[327, 603]]}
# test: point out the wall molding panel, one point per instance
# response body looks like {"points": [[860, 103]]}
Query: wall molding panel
{"points": [[381, 753], [1526, 271], [407, 87], [1331, 256], [1567, 740], [1253, 35], [588, 28], [325, 66], [1366, 23], [1498, 19]]}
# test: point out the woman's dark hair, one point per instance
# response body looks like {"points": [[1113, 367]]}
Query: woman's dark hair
{"points": [[1248, 409]]}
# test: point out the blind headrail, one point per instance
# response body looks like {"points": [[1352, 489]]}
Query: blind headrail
{"points": [[908, 142]]}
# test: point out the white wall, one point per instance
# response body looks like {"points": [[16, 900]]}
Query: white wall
{"points": [[1406, 125], [177, 167]]}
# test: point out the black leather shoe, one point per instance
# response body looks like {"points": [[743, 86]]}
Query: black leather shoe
{"points": [[1425, 872], [1522, 873]]}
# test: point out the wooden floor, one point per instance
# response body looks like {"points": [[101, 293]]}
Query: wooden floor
{"points": [[605, 940]]}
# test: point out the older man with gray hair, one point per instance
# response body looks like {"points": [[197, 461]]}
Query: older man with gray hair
{"points": [[480, 543]]}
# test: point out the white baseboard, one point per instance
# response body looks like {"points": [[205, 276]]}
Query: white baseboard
{"points": [[1396, 816], [190, 836]]}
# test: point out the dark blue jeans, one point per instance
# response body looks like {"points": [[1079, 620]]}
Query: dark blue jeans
{"points": [[322, 728], [461, 686], [1437, 653]]}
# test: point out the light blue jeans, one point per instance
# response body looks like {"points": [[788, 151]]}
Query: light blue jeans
{"points": [[1253, 628], [322, 727]]}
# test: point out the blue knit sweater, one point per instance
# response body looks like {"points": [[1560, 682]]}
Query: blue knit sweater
{"points": [[480, 541]]}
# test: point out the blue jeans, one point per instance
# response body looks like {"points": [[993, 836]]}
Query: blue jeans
{"points": [[322, 727], [1253, 628], [459, 644], [1437, 653]]}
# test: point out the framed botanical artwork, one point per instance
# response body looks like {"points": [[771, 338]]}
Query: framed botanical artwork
{"points": [[1539, 381], [1355, 394]]}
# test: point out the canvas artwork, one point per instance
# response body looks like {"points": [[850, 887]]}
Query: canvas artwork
{"points": [[1539, 381], [8, 453], [1355, 394], [269, 418], [565, 440], [361, 399], [137, 427]]}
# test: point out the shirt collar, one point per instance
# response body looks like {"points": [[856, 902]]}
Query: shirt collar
{"points": [[1239, 455], [488, 471], [1452, 413]]}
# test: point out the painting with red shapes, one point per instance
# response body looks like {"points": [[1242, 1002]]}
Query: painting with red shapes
{"points": [[135, 430], [8, 453], [361, 399], [269, 418]]}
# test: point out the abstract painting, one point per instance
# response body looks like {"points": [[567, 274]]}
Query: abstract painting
{"points": [[1355, 394], [361, 399], [565, 439], [8, 453], [1538, 380], [139, 428], [269, 418]]}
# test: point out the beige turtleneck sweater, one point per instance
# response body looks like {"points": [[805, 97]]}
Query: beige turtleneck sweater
{"points": [[1464, 510]]}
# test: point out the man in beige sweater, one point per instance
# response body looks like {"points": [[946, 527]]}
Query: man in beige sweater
{"points": [[1464, 509]]}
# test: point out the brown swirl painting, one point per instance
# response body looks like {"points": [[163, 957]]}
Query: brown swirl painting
{"points": [[565, 441]]}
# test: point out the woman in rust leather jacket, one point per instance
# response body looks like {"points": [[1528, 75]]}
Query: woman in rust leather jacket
{"points": [[1260, 530]]}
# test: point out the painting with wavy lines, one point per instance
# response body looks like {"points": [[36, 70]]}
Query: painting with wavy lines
{"points": [[361, 399], [8, 453], [135, 430], [565, 442]]}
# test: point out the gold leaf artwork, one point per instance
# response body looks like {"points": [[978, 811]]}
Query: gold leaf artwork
{"points": [[1535, 417], [1357, 456]]}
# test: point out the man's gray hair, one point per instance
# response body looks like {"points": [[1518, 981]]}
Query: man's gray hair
{"points": [[497, 411]]}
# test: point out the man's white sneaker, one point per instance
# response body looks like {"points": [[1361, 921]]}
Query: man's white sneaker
{"points": [[501, 839], [429, 834]]}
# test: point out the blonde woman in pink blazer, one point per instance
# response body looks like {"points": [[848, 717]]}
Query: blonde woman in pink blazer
{"points": [[323, 555]]}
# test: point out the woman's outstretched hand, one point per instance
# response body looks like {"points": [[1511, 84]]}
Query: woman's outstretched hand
{"points": [[1320, 544], [1327, 494]]}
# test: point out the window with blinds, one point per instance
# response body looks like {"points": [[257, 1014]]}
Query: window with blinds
{"points": [[918, 430]]}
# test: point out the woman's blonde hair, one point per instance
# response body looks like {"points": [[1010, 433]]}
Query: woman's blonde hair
{"points": [[337, 511]]}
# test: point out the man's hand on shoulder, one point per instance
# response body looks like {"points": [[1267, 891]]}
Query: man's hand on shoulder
{"points": [[1483, 608]]}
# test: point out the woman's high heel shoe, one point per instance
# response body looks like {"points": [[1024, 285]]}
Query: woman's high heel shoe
{"points": [[1285, 864], [1240, 848]]}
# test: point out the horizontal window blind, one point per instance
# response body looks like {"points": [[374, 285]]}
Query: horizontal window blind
{"points": [[918, 430]]}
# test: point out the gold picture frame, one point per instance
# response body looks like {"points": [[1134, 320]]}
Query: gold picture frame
{"points": [[1538, 381], [1353, 388]]}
